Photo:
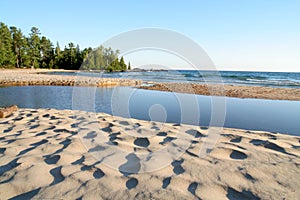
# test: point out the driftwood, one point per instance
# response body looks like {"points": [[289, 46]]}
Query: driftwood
{"points": [[5, 112]]}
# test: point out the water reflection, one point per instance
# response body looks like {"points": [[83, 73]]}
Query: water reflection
{"points": [[267, 115]]}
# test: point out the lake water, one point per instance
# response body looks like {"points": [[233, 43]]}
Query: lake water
{"points": [[274, 79], [253, 114]]}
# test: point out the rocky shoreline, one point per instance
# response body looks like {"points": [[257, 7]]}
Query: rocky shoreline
{"points": [[36, 77]]}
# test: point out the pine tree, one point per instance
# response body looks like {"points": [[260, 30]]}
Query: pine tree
{"points": [[47, 53], [129, 66], [18, 45], [57, 56], [17, 50], [34, 47], [7, 56], [122, 64]]}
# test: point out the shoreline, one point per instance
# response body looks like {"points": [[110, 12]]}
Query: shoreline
{"points": [[28, 77], [37, 77], [43, 156], [237, 91]]}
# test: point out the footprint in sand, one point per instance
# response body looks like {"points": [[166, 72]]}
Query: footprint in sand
{"points": [[90, 135], [192, 188], [124, 123], [269, 145], [161, 134], [57, 175], [132, 183], [2, 150], [65, 144], [132, 166], [166, 182], [142, 142], [235, 195], [52, 159], [75, 125], [79, 161], [178, 169], [237, 155], [228, 153], [113, 137], [98, 173], [46, 115], [18, 118], [167, 140], [195, 133], [204, 128], [249, 177], [34, 119], [96, 148], [236, 140], [155, 128]]}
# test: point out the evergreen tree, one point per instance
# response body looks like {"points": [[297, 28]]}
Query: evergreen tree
{"points": [[47, 53], [25, 57], [17, 45], [7, 56], [17, 50], [78, 57], [34, 47], [122, 64], [129, 66], [57, 56], [72, 56]]}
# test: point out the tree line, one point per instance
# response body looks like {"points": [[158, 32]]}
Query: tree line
{"points": [[37, 51]]}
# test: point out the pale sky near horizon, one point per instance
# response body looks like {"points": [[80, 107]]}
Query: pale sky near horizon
{"points": [[253, 35]]}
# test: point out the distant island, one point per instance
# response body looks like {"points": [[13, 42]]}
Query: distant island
{"points": [[148, 70], [37, 51]]}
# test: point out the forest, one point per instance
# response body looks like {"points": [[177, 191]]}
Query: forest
{"points": [[37, 51]]}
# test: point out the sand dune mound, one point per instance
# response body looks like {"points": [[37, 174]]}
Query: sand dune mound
{"points": [[54, 154]]}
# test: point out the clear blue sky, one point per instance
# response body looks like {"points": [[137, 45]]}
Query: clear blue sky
{"points": [[261, 35]]}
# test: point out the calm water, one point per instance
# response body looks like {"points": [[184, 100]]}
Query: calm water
{"points": [[274, 79], [267, 115]]}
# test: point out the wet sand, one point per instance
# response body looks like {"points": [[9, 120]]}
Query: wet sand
{"points": [[257, 92]]}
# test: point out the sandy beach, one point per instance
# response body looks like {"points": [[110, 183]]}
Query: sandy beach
{"points": [[67, 154], [44, 156], [239, 91], [150, 100], [24, 77]]}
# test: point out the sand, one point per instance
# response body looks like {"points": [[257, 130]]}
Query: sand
{"points": [[49, 154], [24, 77], [239, 91]]}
